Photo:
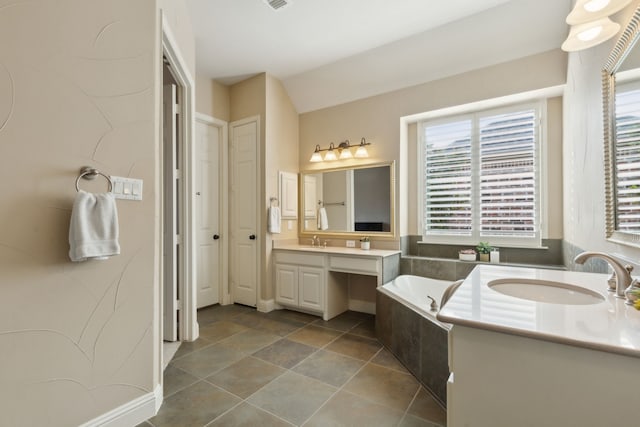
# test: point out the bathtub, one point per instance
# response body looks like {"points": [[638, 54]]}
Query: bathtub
{"points": [[407, 326]]}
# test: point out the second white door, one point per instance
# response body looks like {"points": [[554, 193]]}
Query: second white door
{"points": [[244, 216], [208, 140]]}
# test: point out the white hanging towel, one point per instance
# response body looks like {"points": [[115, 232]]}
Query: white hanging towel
{"points": [[323, 222], [93, 232], [273, 220]]}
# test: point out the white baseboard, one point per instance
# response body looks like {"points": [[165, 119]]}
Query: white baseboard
{"points": [[362, 306], [131, 413], [265, 306]]}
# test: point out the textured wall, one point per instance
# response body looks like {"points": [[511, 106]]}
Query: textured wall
{"points": [[77, 87]]}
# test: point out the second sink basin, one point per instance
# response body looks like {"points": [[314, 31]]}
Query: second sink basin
{"points": [[546, 291]]}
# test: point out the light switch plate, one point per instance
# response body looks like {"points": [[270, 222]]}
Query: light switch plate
{"points": [[351, 243], [126, 188]]}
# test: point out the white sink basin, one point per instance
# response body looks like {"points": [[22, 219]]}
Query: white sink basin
{"points": [[546, 291]]}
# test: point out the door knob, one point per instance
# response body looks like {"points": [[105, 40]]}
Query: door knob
{"points": [[252, 237], [216, 237], [198, 193]]}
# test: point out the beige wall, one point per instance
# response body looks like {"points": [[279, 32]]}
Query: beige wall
{"points": [[281, 154], [584, 217], [265, 96], [378, 118], [212, 98], [76, 339]]}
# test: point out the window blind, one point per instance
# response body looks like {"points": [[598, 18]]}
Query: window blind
{"points": [[627, 160], [481, 178], [447, 178], [507, 174]]}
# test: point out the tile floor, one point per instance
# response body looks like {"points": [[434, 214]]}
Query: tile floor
{"points": [[286, 368]]}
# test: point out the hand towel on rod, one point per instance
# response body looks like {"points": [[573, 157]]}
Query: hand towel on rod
{"points": [[273, 220], [323, 221], [93, 232]]}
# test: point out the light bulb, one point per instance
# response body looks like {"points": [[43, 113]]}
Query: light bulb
{"points": [[596, 5], [590, 34]]}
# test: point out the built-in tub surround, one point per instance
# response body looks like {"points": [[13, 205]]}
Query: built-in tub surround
{"points": [[441, 261], [407, 326], [580, 361]]}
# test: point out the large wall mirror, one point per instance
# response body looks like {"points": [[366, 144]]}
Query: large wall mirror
{"points": [[621, 92], [343, 202]]}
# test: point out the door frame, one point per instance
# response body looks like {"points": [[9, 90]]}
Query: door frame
{"points": [[259, 198], [223, 205], [187, 315]]}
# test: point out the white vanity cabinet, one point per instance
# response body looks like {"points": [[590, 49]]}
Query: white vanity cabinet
{"points": [[315, 280], [300, 286], [300, 280]]}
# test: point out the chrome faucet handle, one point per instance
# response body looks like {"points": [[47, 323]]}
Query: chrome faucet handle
{"points": [[630, 293], [434, 304]]}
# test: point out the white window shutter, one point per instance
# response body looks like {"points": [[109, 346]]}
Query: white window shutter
{"points": [[627, 160]]}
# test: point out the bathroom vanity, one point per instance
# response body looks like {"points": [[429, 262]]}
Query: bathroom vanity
{"points": [[532, 347], [315, 280]]}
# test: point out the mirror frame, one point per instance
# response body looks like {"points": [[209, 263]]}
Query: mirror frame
{"points": [[351, 235], [617, 56]]}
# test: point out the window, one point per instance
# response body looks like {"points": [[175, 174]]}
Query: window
{"points": [[627, 158], [481, 177]]}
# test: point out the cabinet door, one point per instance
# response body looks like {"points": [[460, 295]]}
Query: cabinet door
{"points": [[289, 195], [311, 285], [287, 284]]}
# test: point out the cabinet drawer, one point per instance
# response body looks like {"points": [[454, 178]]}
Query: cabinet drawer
{"points": [[360, 265], [298, 258]]}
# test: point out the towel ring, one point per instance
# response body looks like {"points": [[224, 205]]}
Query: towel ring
{"points": [[87, 172]]}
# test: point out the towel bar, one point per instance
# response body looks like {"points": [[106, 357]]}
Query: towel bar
{"points": [[87, 172]]}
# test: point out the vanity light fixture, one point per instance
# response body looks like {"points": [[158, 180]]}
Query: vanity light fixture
{"points": [[590, 23], [343, 149], [331, 155], [361, 152], [316, 156]]}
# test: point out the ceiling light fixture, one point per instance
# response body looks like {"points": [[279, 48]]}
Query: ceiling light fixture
{"points": [[591, 10], [343, 149], [587, 35]]}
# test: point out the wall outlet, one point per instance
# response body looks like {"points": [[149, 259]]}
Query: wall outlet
{"points": [[351, 243]]}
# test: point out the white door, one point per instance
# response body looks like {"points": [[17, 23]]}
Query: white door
{"points": [[208, 213], [244, 218], [171, 249]]}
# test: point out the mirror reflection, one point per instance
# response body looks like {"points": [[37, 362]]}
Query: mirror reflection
{"points": [[621, 90], [348, 200]]}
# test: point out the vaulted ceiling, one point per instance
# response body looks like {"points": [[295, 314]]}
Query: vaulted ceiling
{"points": [[327, 52]]}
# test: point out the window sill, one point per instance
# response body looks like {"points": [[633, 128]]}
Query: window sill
{"points": [[497, 245]]}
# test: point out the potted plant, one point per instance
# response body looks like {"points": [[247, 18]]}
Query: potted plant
{"points": [[483, 249], [467, 255], [365, 243]]}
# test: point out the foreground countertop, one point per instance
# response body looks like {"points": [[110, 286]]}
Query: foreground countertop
{"points": [[337, 250], [610, 325]]}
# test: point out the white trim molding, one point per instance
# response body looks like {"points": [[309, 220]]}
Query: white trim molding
{"points": [[266, 305], [131, 413]]}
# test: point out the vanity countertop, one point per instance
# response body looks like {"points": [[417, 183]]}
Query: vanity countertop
{"points": [[610, 325], [338, 250]]}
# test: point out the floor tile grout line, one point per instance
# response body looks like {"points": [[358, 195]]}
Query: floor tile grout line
{"points": [[341, 388]]}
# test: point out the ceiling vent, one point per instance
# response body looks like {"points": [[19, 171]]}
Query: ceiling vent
{"points": [[278, 4]]}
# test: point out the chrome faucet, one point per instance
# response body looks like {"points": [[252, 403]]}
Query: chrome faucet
{"points": [[622, 273]]}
